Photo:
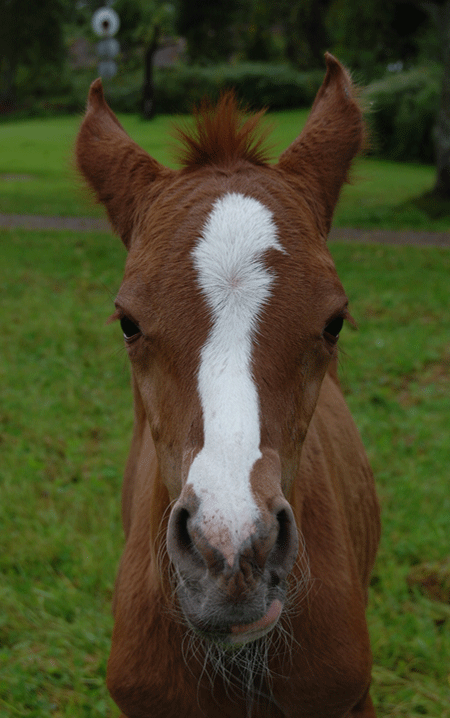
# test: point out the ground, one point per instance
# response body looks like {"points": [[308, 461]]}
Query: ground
{"points": [[77, 224]]}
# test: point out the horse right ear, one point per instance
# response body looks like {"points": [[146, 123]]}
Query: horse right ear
{"points": [[114, 166]]}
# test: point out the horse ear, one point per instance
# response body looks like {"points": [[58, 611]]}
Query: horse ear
{"points": [[334, 133], [114, 166]]}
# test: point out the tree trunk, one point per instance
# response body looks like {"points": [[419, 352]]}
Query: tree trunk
{"points": [[148, 100], [8, 97], [441, 13]]}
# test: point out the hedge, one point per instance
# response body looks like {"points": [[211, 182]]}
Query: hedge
{"points": [[178, 89], [403, 109], [257, 85]]}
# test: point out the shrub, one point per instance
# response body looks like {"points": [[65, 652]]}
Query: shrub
{"points": [[257, 84], [403, 113], [179, 88]]}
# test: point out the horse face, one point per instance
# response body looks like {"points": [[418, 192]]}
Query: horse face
{"points": [[230, 307], [227, 335]]}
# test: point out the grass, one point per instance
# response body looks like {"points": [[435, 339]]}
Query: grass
{"points": [[396, 373], [64, 405], [37, 177], [65, 424]]}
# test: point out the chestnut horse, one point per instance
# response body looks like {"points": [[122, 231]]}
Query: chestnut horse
{"points": [[249, 507]]}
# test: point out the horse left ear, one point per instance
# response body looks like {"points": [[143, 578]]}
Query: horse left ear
{"points": [[334, 133], [114, 166]]}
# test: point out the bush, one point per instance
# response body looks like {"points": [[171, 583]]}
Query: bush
{"points": [[178, 89], [259, 85], [403, 113]]}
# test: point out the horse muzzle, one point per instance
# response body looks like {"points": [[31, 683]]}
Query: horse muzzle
{"points": [[232, 598]]}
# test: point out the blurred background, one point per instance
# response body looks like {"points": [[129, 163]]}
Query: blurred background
{"points": [[271, 52]]}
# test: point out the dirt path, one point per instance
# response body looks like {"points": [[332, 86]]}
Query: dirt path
{"points": [[34, 221], [388, 236], [82, 224]]}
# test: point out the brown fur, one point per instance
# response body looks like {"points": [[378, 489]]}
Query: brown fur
{"points": [[320, 666]]}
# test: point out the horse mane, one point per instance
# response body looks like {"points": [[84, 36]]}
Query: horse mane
{"points": [[222, 133]]}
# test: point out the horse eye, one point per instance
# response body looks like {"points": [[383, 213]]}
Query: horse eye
{"points": [[334, 327], [129, 328]]}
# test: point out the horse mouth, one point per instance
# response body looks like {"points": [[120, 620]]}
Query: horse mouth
{"points": [[251, 632], [239, 634]]}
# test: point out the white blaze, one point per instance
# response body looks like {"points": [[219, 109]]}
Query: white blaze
{"points": [[229, 259]]}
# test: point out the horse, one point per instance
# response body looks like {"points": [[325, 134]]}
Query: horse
{"points": [[249, 508]]}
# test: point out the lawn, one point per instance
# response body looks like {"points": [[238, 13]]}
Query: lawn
{"points": [[65, 423]]}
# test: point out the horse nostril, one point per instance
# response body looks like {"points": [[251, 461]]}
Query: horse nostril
{"points": [[283, 529], [275, 580], [284, 552], [187, 546], [182, 531], [179, 539]]}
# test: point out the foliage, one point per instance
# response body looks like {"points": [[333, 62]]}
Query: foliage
{"points": [[31, 43], [138, 19], [259, 42], [65, 426], [368, 36], [256, 84], [404, 108], [306, 32], [208, 28]]}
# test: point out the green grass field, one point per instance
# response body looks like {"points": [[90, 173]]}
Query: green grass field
{"points": [[65, 423]]}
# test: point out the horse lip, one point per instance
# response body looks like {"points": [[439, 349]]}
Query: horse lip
{"points": [[239, 634], [250, 632]]}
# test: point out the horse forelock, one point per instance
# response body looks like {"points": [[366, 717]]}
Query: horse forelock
{"points": [[222, 133]]}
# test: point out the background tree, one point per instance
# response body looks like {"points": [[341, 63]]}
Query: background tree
{"points": [[138, 19], [258, 19], [368, 36], [208, 28], [148, 90], [440, 13], [307, 36], [31, 37]]}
